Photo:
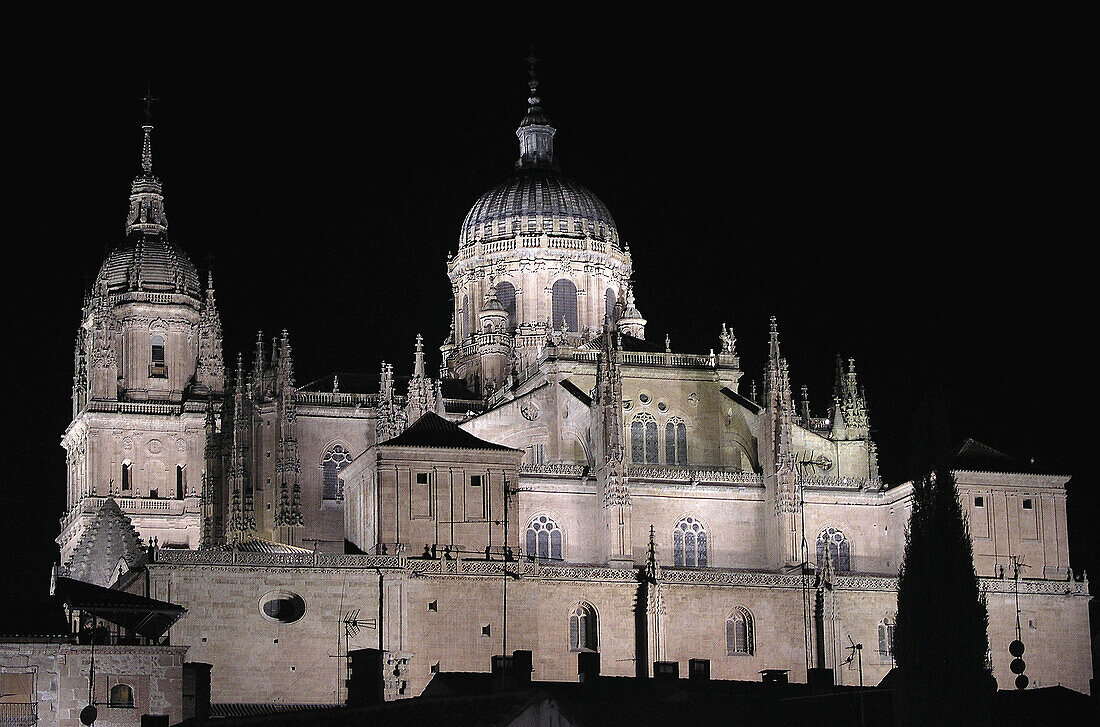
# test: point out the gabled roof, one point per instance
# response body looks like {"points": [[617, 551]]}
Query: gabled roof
{"points": [[432, 430], [109, 539]]}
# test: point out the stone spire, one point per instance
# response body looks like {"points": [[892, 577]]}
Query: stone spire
{"points": [[610, 455], [418, 357], [146, 193], [780, 474], [211, 366], [535, 132], [631, 321], [849, 414]]}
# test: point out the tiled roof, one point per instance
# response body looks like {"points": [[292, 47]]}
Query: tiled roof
{"points": [[146, 616], [973, 455], [432, 430]]}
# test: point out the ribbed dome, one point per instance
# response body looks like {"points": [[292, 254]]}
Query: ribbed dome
{"points": [[149, 263], [538, 200]]}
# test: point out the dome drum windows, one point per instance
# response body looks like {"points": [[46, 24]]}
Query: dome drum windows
{"points": [[157, 367], [544, 539], [506, 294], [689, 544], [564, 305], [335, 459], [740, 633]]}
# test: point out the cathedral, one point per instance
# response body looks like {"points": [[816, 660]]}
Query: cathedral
{"points": [[562, 484]]}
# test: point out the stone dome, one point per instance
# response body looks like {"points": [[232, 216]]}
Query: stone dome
{"points": [[148, 263], [538, 200]]}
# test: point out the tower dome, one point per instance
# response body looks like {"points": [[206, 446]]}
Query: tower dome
{"points": [[538, 199]]}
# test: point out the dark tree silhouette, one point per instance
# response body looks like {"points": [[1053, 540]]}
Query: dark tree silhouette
{"points": [[940, 640]]}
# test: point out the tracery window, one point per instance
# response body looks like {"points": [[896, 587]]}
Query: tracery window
{"points": [[335, 459], [689, 543], [544, 539], [583, 629], [839, 549], [643, 440], [886, 638], [564, 308], [676, 440], [740, 633], [609, 300], [506, 294]]}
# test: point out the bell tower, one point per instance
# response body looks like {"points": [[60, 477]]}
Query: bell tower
{"points": [[147, 372]]}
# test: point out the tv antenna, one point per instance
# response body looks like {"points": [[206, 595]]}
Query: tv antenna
{"points": [[352, 626]]}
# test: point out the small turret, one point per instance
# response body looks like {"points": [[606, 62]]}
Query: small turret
{"points": [[631, 322]]}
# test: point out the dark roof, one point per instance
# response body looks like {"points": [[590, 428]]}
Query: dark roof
{"points": [[973, 455], [576, 391], [456, 389], [630, 343], [432, 430], [145, 616], [747, 403]]}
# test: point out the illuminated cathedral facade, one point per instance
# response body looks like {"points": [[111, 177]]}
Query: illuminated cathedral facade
{"points": [[562, 483]]}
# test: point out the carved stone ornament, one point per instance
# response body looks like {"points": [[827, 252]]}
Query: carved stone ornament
{"points": [[181, 445], [155, 446], [693, 399], [530, 411], [127, 444]]}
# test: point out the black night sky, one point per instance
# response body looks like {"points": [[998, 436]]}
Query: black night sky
{"points": [[913, 202]]}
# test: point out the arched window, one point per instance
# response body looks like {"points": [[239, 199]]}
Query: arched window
{"points": [[643, 440], [676, 441], [886, 638], [839, 550], [179, 481], [689, 543], [544, 539], [564, 305], [122, 695], [335, 459], [506, 294], [740, 636], [609, 299], [157, 369], [583, 629], [127, 475]]}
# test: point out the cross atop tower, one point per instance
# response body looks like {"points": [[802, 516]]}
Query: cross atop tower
{"points": [[148, 100]]}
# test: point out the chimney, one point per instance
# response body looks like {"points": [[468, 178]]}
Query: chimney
{"points": [[365, 685], [699, 670], [588, 666], [666, 670]]}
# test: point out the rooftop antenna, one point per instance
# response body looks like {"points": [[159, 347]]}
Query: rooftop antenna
{"points": [[352, 626]]}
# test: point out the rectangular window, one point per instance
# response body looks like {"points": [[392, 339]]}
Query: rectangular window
{"points": [[1027, 504], [485, 630], [475, 498], [979, 502], [420, 499], [433, 606]]}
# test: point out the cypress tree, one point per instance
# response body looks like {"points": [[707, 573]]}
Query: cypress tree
{"points": [[940, 638]]}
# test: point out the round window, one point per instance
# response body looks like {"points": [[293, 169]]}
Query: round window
{"points": [[282, 606]]}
